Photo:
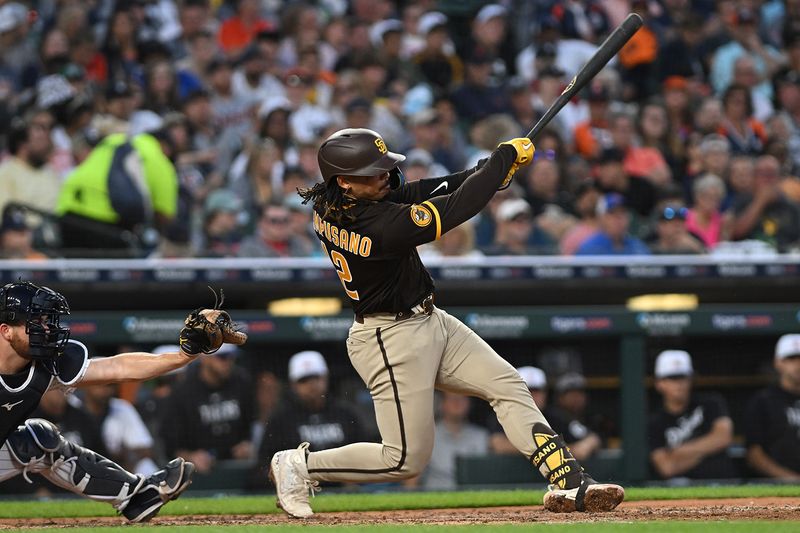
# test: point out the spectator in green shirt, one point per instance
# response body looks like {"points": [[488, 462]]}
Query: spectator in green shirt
{"points": [[124, 187]]}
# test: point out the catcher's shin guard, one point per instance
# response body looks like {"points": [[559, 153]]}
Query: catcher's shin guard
{"points": [[37, 447], [571, 489]]}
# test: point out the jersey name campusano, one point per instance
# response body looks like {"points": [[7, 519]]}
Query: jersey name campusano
{"points": [[375, 253]]}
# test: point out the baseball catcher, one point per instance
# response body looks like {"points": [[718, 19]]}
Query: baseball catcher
{"points": [[370, 223], [37, 354]]}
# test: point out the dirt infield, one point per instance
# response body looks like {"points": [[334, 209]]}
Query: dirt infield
{"points": [[715, 509]]}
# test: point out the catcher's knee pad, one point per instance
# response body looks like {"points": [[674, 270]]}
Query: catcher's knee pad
{"points": [[553, 458], [38, 447]]}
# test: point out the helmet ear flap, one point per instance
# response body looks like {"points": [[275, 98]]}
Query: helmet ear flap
{"points": [[396, 178]]}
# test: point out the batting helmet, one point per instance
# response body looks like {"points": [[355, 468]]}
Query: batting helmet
{"points": [[358, 152], [40, 309]]}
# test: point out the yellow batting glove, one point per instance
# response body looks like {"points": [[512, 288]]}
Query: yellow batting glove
{"points": [[524, 148], [525, 151]]}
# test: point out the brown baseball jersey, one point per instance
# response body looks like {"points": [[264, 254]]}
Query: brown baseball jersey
{"points": [[375, 253]]}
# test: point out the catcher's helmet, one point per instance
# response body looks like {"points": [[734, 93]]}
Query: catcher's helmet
{"points": [[40, 309], [358, 152]]}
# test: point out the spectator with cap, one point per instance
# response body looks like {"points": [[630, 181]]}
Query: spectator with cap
{"points": [[222, 224], [639, 193], [671, 233], [437, 61], [252, 79], [17, 46], [386, 37], [548, 87], [516, 232], [593, 136], [210, 412], [536, 381], [690, 432], [309, 413], [419, 164], [16, 237], [681, 53], [613, 237], [272, 236], [568, 416], [570, 54], [25, 175], [116, 109], [231, 112], [490, 33], [477, 97], [772, 419], [427, 134]]}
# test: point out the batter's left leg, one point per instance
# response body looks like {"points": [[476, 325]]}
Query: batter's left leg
{"points": [[470, 366]]}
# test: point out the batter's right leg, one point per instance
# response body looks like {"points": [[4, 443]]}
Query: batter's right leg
{"points": [[37, 447]]}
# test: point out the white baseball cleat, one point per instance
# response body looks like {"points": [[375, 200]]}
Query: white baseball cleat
{"points": [[590, 497], [289, 473]]}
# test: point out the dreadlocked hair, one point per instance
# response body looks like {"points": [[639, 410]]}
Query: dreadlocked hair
{"points": [[331, 199]]}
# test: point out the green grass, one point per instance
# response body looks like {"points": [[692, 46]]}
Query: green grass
{"points": [[374, 502], [642, 527]]}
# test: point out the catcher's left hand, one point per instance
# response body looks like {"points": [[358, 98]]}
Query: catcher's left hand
{"points": [[205, 330]]}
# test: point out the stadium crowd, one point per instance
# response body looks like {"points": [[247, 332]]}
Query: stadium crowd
{"points": [[182, 128]]}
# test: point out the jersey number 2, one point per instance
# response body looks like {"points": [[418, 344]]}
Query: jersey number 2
{"points": [[343, 270]]}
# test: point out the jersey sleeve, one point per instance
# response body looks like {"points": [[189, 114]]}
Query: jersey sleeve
{"points": [[425, 189], [411, 224], [715, 407]]}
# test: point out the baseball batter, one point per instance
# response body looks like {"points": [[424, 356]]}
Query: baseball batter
{"points": [[403, 347], [36, 354]]}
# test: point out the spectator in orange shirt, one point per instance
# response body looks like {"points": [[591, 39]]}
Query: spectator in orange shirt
{"points": [[240, 30], [644, 161], [593, 136]]}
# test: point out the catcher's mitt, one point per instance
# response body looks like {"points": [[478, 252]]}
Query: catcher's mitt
{"points": [[205, 330]]}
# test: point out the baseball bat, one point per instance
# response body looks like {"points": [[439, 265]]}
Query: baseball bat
{"points": [[607, 50]]}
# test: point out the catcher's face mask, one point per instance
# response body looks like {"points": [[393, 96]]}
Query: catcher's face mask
{"points": [[40, 309]]}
